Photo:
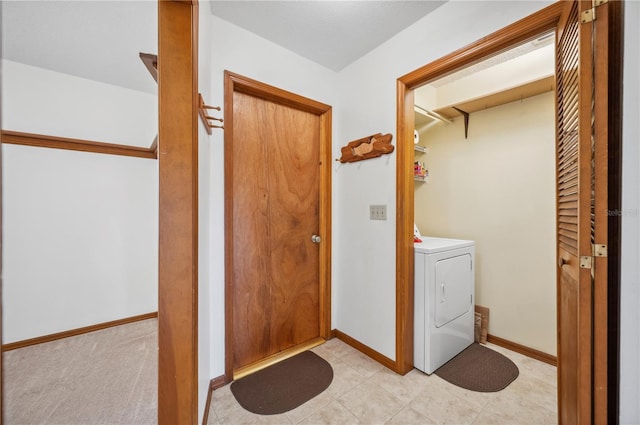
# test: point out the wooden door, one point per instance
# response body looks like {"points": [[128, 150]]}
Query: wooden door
{"points": [[573, 221], [275, 178], [583, 143]]}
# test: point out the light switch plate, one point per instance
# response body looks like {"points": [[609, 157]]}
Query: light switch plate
{"points": [[377, 212]]}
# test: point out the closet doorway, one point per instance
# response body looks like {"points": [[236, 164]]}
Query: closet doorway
{"points": [[277, 187], [587, 174], [491, 180]]}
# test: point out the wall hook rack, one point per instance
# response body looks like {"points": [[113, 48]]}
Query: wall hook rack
{"points": [[368, 147], [206, 118]]}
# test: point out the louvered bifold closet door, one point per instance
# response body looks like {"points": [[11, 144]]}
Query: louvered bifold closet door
{"points": [[574, 229]]}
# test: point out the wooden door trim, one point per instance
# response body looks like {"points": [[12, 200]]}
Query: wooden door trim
{"points": [[264, 91], [608, 183], [518, 32], [178, 213], [525, 29], [238, 83]]}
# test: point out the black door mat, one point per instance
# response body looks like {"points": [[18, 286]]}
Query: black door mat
{"points": [[285, 385]]}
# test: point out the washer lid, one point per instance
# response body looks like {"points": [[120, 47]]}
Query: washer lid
{"points": [[431, 245]]}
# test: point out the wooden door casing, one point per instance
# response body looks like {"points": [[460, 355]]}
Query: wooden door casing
{"points": [[277, 161], [519, 32], [607, 130]]}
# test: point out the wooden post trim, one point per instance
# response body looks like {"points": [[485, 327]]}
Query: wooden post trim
{"points": [[178, 235]]}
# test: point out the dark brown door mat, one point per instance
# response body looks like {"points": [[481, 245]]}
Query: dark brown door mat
{"points": [[479, 368], [283, 386]]}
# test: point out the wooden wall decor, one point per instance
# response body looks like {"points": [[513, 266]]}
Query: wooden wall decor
{"points": [[368, 147]]}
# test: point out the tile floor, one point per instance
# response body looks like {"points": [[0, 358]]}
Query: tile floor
{"points": [[365, 392]]}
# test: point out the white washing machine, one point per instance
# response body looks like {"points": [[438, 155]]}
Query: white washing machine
{"points": [[444, 300]]}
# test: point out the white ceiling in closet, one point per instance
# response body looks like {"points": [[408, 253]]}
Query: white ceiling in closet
{"points": [[523, 71]]}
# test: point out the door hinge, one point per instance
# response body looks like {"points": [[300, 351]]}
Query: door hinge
{"points": [[589, 15], [585, 262], [599, 250]]}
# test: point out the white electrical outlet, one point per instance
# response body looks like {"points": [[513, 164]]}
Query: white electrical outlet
{"points": [[377, 212]]}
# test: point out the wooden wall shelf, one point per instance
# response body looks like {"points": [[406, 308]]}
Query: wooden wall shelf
{"points": [[500, 98]]}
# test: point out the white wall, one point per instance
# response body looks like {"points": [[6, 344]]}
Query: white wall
{"points": [[37, 100], [364, 257], [80, 229], [242, 52], [630, 291], [204, 218], [498, 188]]}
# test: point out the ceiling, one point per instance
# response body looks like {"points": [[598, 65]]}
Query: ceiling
{"points": [[101, 40], [331, 33], [97, 40]]}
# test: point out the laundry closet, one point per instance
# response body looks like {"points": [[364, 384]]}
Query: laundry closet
{"points": [[484, 171]]}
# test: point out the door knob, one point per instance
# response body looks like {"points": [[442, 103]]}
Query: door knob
{"points": [[561, 262], [315, 239]]}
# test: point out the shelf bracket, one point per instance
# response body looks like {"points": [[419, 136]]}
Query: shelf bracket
{"points": [[466, 120]]}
